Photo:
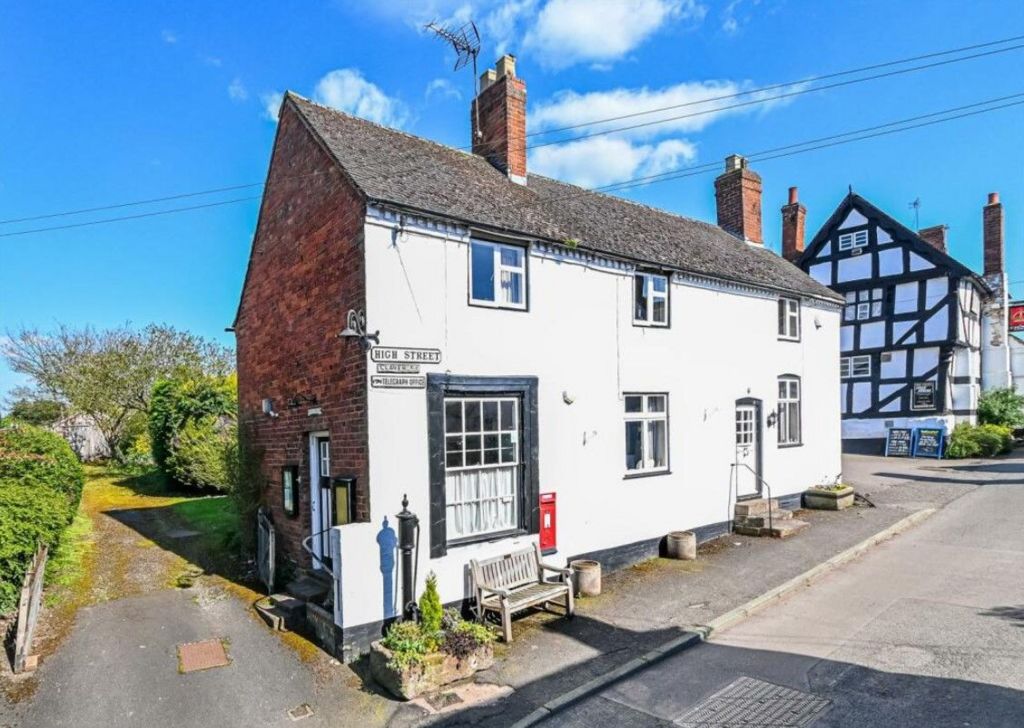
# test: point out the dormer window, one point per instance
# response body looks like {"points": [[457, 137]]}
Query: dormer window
{"points": [[851, 241], [497, 275], [650, 299]]}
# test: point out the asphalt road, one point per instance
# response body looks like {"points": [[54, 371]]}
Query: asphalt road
{"points": [[925, 630]]}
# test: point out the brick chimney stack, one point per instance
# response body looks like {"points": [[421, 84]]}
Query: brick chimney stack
{"points": [[935, 236], [738, 199], [793, 216], [500, 106], [992, 234]]}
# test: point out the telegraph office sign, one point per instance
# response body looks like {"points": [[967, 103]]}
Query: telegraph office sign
{"points": [[398, 367]]}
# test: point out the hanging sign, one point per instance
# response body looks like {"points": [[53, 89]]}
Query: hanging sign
{"points": [[898, 442], [1017, 316], [398, 381], [928, 442], [404, 354], [922, 397]]}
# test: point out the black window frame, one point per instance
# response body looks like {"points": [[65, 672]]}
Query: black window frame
{"points": [[440, 386]]}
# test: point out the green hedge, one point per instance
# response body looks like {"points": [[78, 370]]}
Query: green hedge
{"points": [[1001, 407], [979, 441], [40, 486]]}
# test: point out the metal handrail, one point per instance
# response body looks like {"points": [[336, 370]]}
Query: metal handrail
{"points": [[771, 524], [307, 544]]}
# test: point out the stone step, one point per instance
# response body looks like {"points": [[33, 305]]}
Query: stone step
{"points": [[274, 617], [788, 528], [281, 612], [762, 521], [289, 605], [309, 589], [757, 507]]}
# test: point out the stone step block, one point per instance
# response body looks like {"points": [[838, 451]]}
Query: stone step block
{"points": [[762, 521], [788, 528], [756, 507]]}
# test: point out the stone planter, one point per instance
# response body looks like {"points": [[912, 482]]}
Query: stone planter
{"points": [[436, 670], [586, 577], [681, 545], [828, 500]]}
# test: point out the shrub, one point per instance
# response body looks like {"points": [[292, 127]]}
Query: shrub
{"points": [[40, 486], [431, 610], [243, 465], [464, 638], [197, 459], [407, 643], [39, 412], [972, 441], [1001, 407]]}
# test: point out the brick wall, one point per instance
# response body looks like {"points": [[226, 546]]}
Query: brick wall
{"points": [[502, 125], [935, 236], [738, 200], [992, 233], [794, 217], [306, 270]]}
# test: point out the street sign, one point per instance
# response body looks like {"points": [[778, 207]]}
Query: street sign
{"points": [[387, 381], [405, 354]]}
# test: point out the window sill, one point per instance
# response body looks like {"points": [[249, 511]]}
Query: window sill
{"points": [[649, 325], [645, 474], [498, 306], [486, 538], [795, 340], [787, 445]]}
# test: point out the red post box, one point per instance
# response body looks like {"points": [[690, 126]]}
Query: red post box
{"points": [[548, 540]]}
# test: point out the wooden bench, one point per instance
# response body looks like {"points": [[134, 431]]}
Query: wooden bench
{"points": [[512, 582]]}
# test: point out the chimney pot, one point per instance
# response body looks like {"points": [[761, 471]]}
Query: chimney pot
{"points": [[487, 78], [506, 65], [793, 196], [738, 200], [993, 198]]}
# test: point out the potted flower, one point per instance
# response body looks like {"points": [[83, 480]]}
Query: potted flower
{"points": [[419, 657], [829, 497]]}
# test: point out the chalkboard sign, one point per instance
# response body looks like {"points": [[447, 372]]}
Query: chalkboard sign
{"points": [[923, 396], [899, 441], [928, 442]]}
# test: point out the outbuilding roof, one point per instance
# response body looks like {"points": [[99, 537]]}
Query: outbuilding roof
{"points": [[409, 172]]}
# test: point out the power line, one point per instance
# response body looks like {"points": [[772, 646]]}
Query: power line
{"points": [[752, 102], [129, 217], [764, 155]]}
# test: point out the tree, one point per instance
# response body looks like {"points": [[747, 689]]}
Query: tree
{"points": [[108, 375], [39, 412], [1001, 407]]}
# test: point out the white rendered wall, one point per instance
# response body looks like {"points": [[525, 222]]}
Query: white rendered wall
{"points": [[578, 338]]}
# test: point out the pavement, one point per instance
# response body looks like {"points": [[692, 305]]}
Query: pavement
{"points": [[924, 629]]}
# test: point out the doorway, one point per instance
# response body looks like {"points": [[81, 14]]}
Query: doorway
{"points": [[320, 498], [748, 449]]}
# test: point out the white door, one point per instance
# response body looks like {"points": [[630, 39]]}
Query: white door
{"points": [[321, 509], [747, 460]]}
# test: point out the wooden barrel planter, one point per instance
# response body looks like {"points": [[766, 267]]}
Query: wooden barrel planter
{"points": [[586, 576]]}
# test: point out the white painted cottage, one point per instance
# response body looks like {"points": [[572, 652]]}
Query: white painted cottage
{"points": [[532, 338]]}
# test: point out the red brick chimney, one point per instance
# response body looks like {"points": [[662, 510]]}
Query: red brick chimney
{"points": [[935, 236], [500, 107], [738, 198], [992, 234], [793, 216]]}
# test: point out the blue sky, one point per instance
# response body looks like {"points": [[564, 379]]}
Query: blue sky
{"points": [[114, 102]]}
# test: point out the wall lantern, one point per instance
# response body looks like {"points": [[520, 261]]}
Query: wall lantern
{"points": [[268, 407], [772, 417], [355, 328], [289, 489]]}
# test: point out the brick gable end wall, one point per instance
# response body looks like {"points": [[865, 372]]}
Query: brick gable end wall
{"points": [[306, 270]]}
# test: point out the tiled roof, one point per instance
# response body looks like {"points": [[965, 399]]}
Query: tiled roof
{"points": [[414, 173]]}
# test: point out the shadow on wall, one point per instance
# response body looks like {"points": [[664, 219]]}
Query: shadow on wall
{"points": [[387, 543], [1010, 614]]}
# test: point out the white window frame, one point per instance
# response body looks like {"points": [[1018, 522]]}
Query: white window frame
{"points": [[785, 412], [864, 305], [499, 268], [514, 463], [644, 416], [851, 241], [855, 367], [790, 319], [652, 295]]}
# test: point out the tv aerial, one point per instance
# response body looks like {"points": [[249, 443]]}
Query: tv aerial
{"points": [[465, 40]]}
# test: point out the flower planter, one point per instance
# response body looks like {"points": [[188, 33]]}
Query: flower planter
{"points": [[681, 545], [436, 670], [828, 500]]}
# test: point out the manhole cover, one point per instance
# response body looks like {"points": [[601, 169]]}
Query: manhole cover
{"points": [[203, 655], [746, 702]]}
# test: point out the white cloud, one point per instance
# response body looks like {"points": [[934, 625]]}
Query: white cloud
{"points": [[237, 90], [500, 23], [271, 102], [345, 89], [570, 31], [169, 36], [442, 87], [603, 160], [736, 14]]}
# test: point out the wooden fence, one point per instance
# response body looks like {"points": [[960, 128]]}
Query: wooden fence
{"points": [[28, 611]]}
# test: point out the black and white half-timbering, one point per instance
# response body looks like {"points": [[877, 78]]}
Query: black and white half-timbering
{"points": [[910, 339]]}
